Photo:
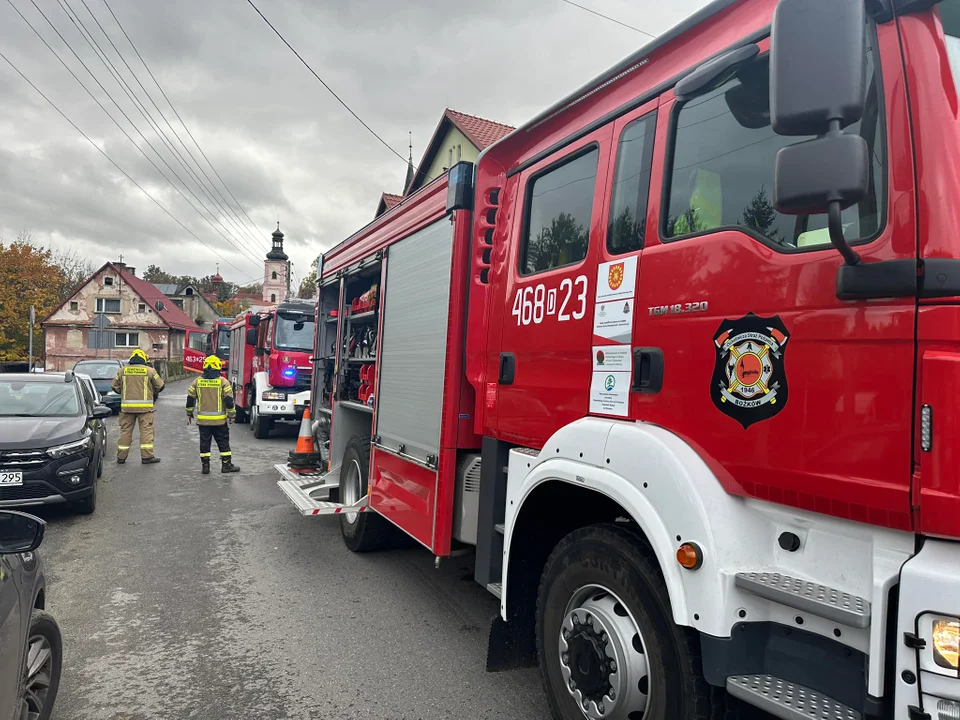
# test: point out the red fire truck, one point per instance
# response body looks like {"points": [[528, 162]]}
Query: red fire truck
{"points": [[201, 344], [269, 366], [680, 364]]}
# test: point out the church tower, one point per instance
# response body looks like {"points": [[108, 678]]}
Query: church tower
{"points": [[276, 271]]}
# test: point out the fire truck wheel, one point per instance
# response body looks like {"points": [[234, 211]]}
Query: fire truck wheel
{"points": [[261, 425], [362, 531], [606, 640]]}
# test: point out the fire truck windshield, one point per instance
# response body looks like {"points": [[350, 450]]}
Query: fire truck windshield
{"points": [[294, 334], [223, 340]]}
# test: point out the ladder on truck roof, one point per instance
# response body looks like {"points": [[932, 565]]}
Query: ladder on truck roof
{"points": [[309, 491]]}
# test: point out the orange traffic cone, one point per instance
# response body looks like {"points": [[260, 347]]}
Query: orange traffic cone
{"points": [[305, 440]]}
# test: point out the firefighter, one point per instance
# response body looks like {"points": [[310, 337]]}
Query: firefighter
{"points": [[138, 385], [212, 398]]}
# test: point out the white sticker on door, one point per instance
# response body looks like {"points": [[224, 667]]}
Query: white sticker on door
{"points": [[613, 321], [610, 393], [617, 280], [611, 358]]}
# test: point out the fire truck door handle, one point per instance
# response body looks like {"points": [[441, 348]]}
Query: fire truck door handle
{"points": [[508, 368], [647, 370]]}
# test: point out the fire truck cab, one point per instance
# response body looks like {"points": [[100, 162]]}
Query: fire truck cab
{"points": [[270, 363], [677, 357]]}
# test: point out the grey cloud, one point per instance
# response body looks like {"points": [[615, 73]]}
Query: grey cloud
{"points": [[284, 146]]}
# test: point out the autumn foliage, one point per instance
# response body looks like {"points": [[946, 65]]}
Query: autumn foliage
{"points": [[28, 276]]}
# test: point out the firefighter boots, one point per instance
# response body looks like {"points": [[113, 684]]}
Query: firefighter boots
{"points": [[150, 460], [205, 466], [229, 467]]}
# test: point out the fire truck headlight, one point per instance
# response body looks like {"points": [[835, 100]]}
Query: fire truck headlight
{"points": [[946, 643], [280, 396]]}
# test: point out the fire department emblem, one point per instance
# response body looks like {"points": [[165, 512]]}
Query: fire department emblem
{"points": [[749, 383], [615, 276]]}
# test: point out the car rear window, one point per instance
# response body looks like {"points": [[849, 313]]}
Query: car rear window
{"points": [[98, 371]]}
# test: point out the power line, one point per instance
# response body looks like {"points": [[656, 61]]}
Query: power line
{"points": [[107, 113], [228, 209], [320, 79], [112, 162], [145, 114], [607, 17]]}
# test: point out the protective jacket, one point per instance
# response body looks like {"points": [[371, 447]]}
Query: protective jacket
{"points": [[138, 386], [211, 397]]}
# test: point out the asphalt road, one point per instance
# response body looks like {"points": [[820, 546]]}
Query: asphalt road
{"points": [[191, 596]]}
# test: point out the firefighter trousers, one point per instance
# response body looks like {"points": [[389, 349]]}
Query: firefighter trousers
{"points": [[127, 422], [220, 433]]}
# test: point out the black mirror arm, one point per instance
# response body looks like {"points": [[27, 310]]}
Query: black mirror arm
{"points": [[835, 225]]}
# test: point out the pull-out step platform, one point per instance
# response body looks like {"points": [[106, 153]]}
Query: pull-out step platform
{"points": [[787, 700], [309, 491], [816, 599]]}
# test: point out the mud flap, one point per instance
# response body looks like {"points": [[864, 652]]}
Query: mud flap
{"points": [[509, 647]]}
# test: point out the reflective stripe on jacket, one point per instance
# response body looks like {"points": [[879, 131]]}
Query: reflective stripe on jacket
{"points": [[137, 386], [211, 399]]}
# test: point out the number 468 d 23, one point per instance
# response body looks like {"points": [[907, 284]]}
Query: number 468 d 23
{"points": [[534, 303]]}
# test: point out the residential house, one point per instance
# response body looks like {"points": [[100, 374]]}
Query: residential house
{"points": [[134, 313], [458, 136], [194, 303]]}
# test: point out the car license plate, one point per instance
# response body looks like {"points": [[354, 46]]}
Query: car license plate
{"points": [[11, 478]]}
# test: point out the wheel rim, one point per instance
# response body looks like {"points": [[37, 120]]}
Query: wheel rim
{"points": [[351, 489], [38, 674], [602, 655]]}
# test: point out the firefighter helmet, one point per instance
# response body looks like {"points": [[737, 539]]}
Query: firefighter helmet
{"points": [[212, 362], [138, 353]]}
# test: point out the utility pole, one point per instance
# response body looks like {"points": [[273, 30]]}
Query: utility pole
{"points": [[33, 317]]}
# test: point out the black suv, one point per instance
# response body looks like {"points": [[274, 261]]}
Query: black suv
{"points": [[50, 441], [103, 372], [31, 649]]}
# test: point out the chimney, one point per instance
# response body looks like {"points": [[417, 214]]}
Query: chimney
{"points": [[131, 270]]}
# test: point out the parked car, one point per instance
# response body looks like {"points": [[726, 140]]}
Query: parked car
{"points": [[93, 395], [31, 649], [51, 441], [103, 372]]}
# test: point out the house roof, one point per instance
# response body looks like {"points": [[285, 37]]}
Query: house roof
{"points": [[387, 201], [167, 288], [171, 314], [479, 131]]}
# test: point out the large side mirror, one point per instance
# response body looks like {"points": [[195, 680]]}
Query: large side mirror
{"points": [[102, 411], [254, 321], [252, 337], [19, 532], [817, 74]]}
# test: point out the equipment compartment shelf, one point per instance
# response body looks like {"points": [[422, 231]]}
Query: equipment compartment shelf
{"points": [[368, 316], [354, 405]]}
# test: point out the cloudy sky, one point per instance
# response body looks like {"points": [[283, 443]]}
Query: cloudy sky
{"points": [[282, 144]]}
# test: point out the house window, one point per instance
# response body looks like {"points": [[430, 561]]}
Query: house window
{"points": [[559, 206], [142, 307], [273, 298], [108, 305], [128, 339], [273, 275], [178, 303], [188, 292], [74, 306], [108, 281]]}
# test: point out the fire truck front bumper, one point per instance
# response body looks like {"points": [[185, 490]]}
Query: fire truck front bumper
{"points": [[285, 406], [928, 652]]}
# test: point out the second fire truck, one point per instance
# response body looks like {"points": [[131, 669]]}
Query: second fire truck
{"points": [[680, 358]]}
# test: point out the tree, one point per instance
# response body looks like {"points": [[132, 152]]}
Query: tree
{"points": [[253, 289], [760, 215], [308, 286], [153, 274], [75, 268], [28, 276], [563, 241]]}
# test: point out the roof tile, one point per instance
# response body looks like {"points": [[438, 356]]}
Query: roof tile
{"points": [[481, 132]]}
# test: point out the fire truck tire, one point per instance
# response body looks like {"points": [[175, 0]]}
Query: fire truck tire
{"points": [[364, 531], [602, 597], [261, 425]]}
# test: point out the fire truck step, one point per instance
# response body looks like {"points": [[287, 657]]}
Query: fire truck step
{"points": [[496, 589], [500, 528], [786, 700], [811, 597]]}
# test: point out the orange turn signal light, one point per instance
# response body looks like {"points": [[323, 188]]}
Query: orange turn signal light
{"points": [[690, 556]]}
